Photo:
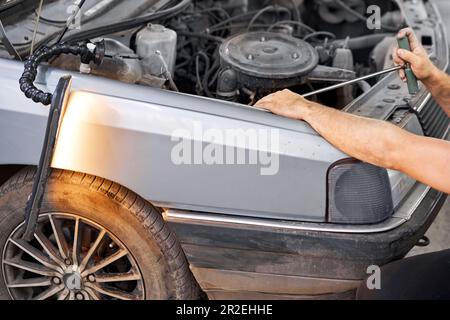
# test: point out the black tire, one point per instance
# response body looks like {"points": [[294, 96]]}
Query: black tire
{"points": [[129, 218]]}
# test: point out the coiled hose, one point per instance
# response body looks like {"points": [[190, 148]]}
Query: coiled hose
{"points": [[88, 52]]}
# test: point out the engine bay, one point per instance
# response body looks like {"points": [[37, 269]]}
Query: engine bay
{"points": [[234, 50]]}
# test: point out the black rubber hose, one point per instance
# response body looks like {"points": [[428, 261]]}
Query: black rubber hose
{"points": [[43, 55], [364, 42]]}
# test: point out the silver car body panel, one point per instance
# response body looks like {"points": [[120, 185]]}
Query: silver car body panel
{"points": [[124, 133]]}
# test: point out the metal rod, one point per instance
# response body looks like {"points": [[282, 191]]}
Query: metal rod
{"points": [[71, 19], [36, 26], [7, 44], [343, 84]]}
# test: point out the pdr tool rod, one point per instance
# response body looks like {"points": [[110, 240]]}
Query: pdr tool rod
{"points": [[343, 84], [413, 85]]}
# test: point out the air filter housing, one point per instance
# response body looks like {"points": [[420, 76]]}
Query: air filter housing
{"points": [[268, 60]]}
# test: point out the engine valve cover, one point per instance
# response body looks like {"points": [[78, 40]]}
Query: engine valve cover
{"points": [[268, 60]]}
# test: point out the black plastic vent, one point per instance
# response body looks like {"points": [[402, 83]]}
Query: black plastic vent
{"points": [[358, 193], [434, 120]]}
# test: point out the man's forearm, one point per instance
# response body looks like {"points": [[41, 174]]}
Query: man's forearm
{"points": [[439, 86], [377, 142], [383, 144], [372, 141]]}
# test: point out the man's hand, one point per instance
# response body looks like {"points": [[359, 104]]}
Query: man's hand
{"points": [[418, 58], [435, 80], [287, 104]]}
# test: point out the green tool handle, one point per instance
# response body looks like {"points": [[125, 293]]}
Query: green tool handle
{"points": [[413, 84]]}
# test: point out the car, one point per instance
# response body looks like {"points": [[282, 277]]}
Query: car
{"points": [[168, 184]]}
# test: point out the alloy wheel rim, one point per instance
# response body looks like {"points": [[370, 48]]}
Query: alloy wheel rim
{"points": [[70, 258]]}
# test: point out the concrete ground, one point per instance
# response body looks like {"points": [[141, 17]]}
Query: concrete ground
{"points": [[439, 233]]}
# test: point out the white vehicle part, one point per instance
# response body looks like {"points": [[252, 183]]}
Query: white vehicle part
{"points": [[152, 41]]}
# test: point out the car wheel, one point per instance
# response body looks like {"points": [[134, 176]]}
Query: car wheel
{"points": [[95, 240]]}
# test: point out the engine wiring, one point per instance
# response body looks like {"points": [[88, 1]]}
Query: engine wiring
{"points": [[324, 34], [203, 25], [202, 28], [275, 8], [294, 22], [206, 24]]}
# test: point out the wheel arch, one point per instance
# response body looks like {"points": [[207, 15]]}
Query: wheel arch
{"points": [[115, 192], [8, 171]]}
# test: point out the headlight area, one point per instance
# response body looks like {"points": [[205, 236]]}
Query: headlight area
{"points": [[358, 193]]}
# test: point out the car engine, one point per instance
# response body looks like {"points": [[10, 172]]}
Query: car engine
{"points": [[234, 50]]}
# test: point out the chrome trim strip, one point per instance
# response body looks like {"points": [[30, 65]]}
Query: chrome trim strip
{"points": [[447, 134], [403, 214], [409, 207], [178, 216], [424, 103]]}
